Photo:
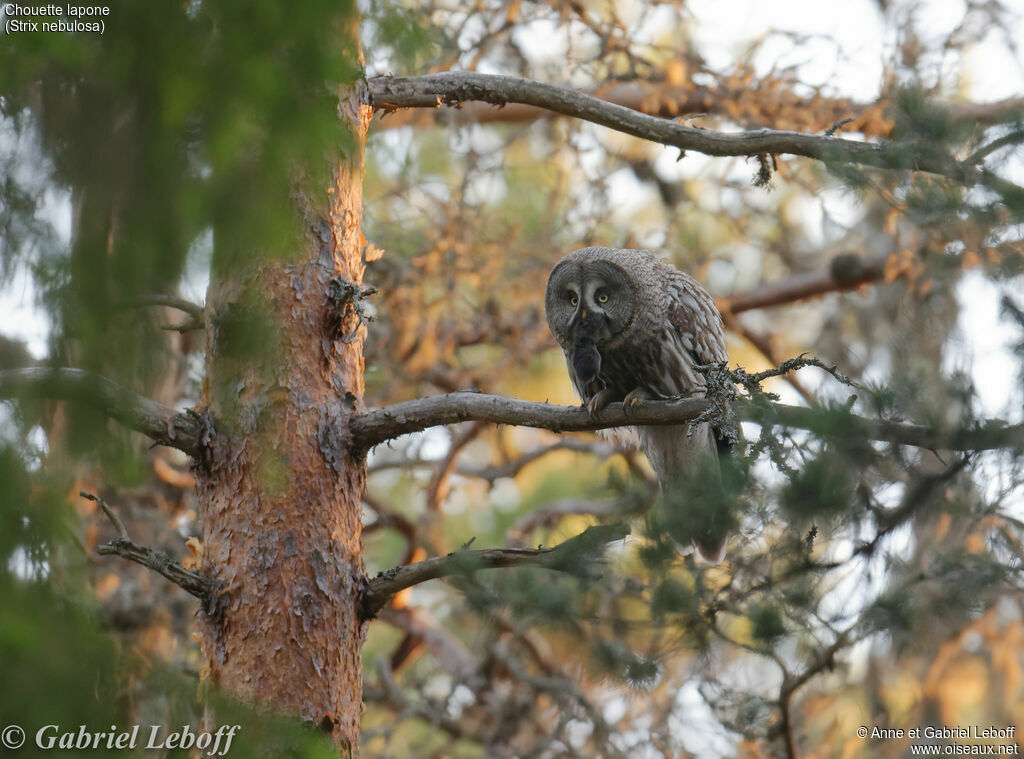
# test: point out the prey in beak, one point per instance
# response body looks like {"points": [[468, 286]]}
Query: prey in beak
{"points": [[585, 329]]}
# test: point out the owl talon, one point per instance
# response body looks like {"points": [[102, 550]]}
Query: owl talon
{"points": [[634, 400], [600, 399]]}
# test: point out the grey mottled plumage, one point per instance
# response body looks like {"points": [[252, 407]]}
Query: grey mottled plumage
{"points": [[632, 328]]}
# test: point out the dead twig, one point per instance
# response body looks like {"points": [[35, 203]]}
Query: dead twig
{"points": [[198, 585]]}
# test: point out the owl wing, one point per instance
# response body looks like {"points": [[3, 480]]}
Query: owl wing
{"points": [[692, 334], [695, 317]]}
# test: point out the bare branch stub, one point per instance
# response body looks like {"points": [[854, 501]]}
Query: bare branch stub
{"points": [[348, 301], [832, 130], [575, 556], [194, 583]]}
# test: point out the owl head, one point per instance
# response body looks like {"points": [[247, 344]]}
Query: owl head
{"points": [[592, 296]]}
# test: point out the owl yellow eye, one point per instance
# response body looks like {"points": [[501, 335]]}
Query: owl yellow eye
{"points": [[602, 298], [574, 301]]}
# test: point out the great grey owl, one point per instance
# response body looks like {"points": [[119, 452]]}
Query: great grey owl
{"points": [[633, 328]]}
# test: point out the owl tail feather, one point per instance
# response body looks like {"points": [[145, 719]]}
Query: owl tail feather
{"points": [[707, 552], [711, 554], [695, 504]]}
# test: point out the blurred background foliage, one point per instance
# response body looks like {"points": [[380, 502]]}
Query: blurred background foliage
{"points": [[866, 583], [132, 164]]}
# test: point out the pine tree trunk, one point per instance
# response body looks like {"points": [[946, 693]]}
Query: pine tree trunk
{"points": [[280, 493]]}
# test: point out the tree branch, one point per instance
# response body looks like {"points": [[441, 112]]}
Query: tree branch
{"points": [[437, 490], [824, 660], [198, 585], [513, 467], [550, 514], [455, 87], [379, 425], [763, 343], [450, 653], [163, 425], [574, 556], [672, 102], [492, 472], [196, 313], [435, 715], [1013, 138], [847, 272]]}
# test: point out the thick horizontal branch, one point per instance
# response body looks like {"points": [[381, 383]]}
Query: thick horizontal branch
{"points": [[575, 556], [456, 87], [676, 101], [163, 425], [379, 425]]}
